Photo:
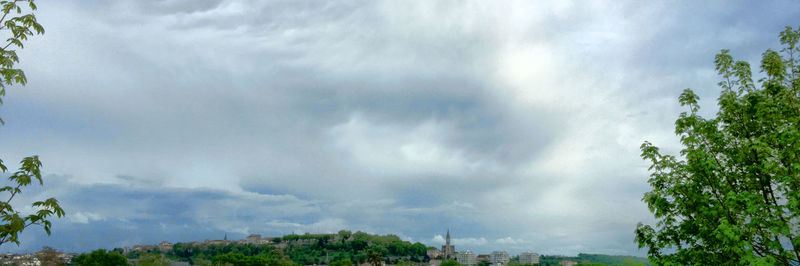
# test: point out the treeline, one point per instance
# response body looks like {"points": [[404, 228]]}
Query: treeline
{"points": [[237, 254], [595, 259], [356, 247], [344, 248]]}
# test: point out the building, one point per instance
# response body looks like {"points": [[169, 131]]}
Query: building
{"points": [[499, 258], [216, 242], [448, 251], [164, 247], [253, 239], [567, 263], [434, 253], [145, 248], [528, 258], [466, 258], [484, 257]]}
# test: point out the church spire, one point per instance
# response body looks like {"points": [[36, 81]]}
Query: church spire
{"points": [[448, 237]]}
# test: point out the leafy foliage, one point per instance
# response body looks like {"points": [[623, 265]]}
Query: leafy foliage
{"points": [[152, 260], [306, 249], [20, 26], [13, 221], [450, 263], [344, 262], [275, 258], [100, 257], [733, 194], [598, 259], [192, 252], [357, 247]]}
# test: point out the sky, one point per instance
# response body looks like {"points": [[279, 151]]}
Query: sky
{"points": [[514, 124]]}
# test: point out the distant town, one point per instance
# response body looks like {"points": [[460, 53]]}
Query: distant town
{"points": [[341, 249], [467, 257]]}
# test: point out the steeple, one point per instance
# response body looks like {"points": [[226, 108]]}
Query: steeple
{"points": [[448, 251]]}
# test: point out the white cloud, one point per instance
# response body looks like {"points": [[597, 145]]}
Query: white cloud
{"points": [[438, 239], [398, 150], [326, 225], [405, 237], [470, 241], [85, 217], [510, 241]]}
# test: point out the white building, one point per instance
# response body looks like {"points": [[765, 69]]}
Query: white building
{"points": [[528, 258], [499, 258], [466, 258]]}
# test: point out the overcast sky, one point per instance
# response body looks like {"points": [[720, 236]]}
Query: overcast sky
{"points": [[516, 125]]}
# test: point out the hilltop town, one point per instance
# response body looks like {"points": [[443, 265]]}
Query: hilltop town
{"points": [[341, 249]]}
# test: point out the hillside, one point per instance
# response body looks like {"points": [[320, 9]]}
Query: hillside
{"points": [[341, 249], [298, 249]]}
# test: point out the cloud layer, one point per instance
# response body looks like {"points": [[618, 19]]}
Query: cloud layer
{"points": [[516, 124]]}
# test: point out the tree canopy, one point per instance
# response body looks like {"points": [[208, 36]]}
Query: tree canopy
{"points": [[101, 257], [732, 196], [341, 249], [152, 260], [450, 263]]}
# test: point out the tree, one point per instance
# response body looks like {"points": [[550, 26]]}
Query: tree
{"points": [[277, 258], [49, 257], [344, 234], [374, 257], [13, 222], [344, 262], [101, 258], [406, 263], [152, 260], [450, 263], [733, 194]]}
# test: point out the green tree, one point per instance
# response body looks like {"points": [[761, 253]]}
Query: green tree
{"points": [[450, 263], [277, 258], [588, 263], [20, 26], [733, 194], [345, 262], [344, 234], [101, 258], [199, 261], [374, 257], [406, 263], [152, 260]]}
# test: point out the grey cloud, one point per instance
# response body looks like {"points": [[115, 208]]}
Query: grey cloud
{"points": [[498, 121], [106, 216]]}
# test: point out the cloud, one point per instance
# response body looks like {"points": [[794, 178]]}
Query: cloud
{"points": [[464, 242], [470, 241], [129, 215], [325, 225], [401, 150], [517, 122], [84, 218], [438, 239], [509, 241]]}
